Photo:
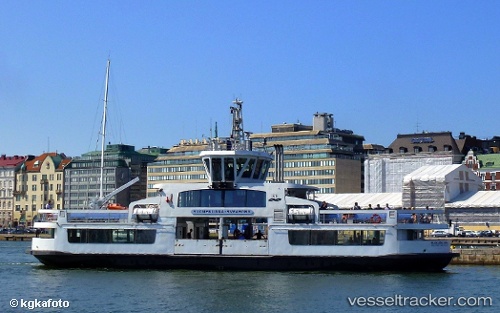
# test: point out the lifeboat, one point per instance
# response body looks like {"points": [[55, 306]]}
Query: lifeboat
{"points": [[116, 206], [150, 214]]}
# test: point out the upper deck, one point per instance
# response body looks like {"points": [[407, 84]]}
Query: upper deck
{"points": [[404, 219], [229, 161]]}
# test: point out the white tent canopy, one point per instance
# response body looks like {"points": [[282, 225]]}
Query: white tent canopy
{"points": [[347, 200]]}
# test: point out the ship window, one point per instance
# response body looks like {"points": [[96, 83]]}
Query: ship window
{"points": [[202, 228], [258, 169], [111, 235], [216, 169], [123, 235], [228, 169], [222, 198], [145, 235], [336, 237], [245, 228], [211, 198], [247, 173], [264, 169], [207, 165], [242, 167]]}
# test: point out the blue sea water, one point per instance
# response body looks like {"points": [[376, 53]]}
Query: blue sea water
{"points": [[24, 279]]}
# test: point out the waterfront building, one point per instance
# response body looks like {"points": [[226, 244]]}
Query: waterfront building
{"points": [[8, 167], [179, 164], [466, 143], [39, 183], [318, 155], [121, 164], [153, 150], [486, 166], [384, 172]]}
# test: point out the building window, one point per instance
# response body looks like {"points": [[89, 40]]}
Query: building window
{"points": [[403, 150]]}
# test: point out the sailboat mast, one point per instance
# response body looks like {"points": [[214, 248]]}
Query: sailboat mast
{"points": [[103, 131]]}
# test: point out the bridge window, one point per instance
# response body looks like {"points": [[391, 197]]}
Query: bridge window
{"points": [[222, 198]]}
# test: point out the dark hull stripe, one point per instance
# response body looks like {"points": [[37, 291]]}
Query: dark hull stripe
{"points": [[407, 262]]}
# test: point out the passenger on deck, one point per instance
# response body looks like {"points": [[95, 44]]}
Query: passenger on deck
{"points": [[236, 233], [259, 235], [369, 207], [189, 235], [387, 206], [324, 206], [248, 234], [413, 218], [356, 206], [378, 207]]}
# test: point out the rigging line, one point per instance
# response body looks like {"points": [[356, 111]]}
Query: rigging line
{"points": [[116, 116], [98, 113]]}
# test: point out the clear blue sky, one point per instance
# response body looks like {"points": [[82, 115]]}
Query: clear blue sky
{"points": [[380, 67]]}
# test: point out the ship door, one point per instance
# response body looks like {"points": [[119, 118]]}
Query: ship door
{"points": [[238, 236]]}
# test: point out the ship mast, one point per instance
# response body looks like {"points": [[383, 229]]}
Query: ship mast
{"points": [[237, 134], [103, 131]]}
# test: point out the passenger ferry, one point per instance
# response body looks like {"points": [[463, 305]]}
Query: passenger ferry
{"points": [[238, 221]]}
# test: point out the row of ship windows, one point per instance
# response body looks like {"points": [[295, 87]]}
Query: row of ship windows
{"points": [[336, 237], [222, 198], [146, 236], [295, 237]]}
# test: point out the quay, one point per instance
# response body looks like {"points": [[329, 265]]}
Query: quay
{"points": [[16, 237], [475, 250], [477, 256]]}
